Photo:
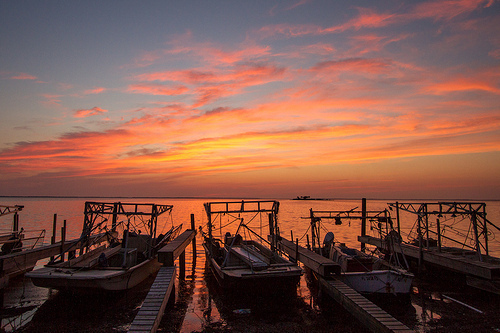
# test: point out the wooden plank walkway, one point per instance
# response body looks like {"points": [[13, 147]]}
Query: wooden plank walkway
{"points": [[369, 314], [149, 316]]}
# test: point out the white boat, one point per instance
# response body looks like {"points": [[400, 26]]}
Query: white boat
{"points": [[121, 264], [13, 246], [247, 265], [369, 274]]}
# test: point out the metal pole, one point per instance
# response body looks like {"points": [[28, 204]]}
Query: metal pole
{"points": [[476, 236], [439, 234], [363, 222], [397, 218]]}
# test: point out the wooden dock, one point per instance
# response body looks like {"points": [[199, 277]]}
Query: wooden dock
{"points": [[481, 274], [149, 316], [369, 314], [317, 263]]}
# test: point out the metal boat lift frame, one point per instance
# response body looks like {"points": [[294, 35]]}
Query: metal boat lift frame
{"points": [[475, 211]]}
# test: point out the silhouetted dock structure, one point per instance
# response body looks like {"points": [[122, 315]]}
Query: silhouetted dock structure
{"points": [[472, 257]]}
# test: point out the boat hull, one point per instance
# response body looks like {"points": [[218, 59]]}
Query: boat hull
{"points": [[278, 279], [106, 279], [379, 282]]}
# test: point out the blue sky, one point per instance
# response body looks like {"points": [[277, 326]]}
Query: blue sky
{"points": [[250, 98]]}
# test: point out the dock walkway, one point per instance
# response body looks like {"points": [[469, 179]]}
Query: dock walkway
{"points": [[149, 316], [369, 314]]}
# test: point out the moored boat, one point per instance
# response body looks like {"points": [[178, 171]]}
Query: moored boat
{"points": [[244, 261], [14, 244], [127, 259], [365, 273]]}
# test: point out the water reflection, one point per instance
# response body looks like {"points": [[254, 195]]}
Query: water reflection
{"points": [[198, 305]]}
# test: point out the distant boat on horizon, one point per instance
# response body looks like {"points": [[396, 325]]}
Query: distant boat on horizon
{"points": [[308, 197]]}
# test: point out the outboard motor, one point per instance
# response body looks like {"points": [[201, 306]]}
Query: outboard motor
{"points": [[328, 242]]}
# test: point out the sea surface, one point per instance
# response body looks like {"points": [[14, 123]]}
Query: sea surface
{"points": [[198, 304]]}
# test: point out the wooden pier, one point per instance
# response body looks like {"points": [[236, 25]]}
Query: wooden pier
{"points": [[369, 314], [149, 316]]}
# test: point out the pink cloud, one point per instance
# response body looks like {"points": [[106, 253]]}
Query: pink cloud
{"points": [[84, 113], [24, 76], [157, 89], [51, 99], [444, 10], [96, 90], [354, 65]]}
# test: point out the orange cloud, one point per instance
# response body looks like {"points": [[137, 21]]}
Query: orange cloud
{"points": [[84, 113], [462, 84]]}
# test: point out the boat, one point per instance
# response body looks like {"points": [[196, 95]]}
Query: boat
{"points": [[365, 273], [13, 244], [128, 258], [244, 261]]}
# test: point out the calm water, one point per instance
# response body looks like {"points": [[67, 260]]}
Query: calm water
{"points": [[199, 305]]}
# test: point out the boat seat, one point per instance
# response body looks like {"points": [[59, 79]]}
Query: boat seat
{"points": [[252, 258]]}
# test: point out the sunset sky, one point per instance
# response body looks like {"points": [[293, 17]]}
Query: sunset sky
{"points": [[274, 99]]}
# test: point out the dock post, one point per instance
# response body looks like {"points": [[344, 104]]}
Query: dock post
{"points": [[296, 250], [15, 224], [271, 233], [53, 238], [363, 222], [193, 243], [63, 239], [182, 265]]}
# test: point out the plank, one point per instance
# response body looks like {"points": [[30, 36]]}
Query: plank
{"points": [[369, 314], [149, 316]]}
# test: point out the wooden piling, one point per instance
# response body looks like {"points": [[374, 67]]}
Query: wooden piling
{"points": [[53, 238], [363, 222], [63, 239]]}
